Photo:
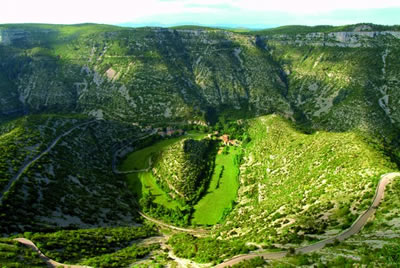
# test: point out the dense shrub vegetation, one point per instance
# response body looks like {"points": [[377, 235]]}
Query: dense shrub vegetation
{"points": [[90, 192], [183, 168], [74, 246], [295, 185], [376, 245], [299, 182], [14, 254], [205, 250]]}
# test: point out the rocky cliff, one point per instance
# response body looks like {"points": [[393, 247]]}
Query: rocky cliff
{"points": [[329, 78], [339, 81], [140, 74]]}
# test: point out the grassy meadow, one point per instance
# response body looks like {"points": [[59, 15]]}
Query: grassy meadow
{"points": [[216, 202], [140, 159], [222, 190], [144, 182]]}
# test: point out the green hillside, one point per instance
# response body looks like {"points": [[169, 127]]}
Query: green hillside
{"points": [[183, 168], [23, 138], [301, 123], [72, 185], [296, 185], [13, 254], [136, 74], [376, 245]]}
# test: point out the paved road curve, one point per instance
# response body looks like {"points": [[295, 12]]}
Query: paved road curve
{"points": [[47, 260], [30, 163], [355, 228]]}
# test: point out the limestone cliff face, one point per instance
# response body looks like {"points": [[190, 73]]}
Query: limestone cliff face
{"points": [[153, 74], [8, 37], [335, 39], [146, 74], [16, 36], [342, 80]]}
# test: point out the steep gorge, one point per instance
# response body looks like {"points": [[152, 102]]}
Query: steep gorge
{"points": [[154, 74], [329, 80]]}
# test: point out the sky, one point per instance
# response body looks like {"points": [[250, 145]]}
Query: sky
{"points": [[228, 13]]}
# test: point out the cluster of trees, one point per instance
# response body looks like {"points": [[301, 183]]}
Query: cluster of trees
{"points": [[13, 254], [121, 258], [75, 245], [184, 166], [235, 129], [252, 263], [220, 175], [176, 216], [199, 128], [205, 250]]}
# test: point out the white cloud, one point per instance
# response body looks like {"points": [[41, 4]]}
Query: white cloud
{"points": [[75, 11], [313, 6], [117, 11]]}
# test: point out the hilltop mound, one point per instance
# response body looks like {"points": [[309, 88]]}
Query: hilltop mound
{"points": [[182, 169]]}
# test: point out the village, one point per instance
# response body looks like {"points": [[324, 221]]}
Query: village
{"points": [[224, 138], [170, 132]]}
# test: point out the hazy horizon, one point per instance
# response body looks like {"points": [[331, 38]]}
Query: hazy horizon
{"points": [[218, 13]]}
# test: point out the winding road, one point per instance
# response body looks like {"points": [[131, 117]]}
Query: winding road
{"points": [[47, 260], [195, 232], [354, 228], [30, 163]]}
